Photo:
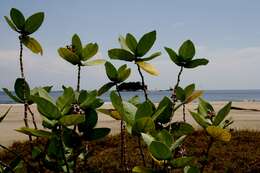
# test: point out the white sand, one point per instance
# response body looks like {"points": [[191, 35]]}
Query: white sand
{"points": [[244, 120]]}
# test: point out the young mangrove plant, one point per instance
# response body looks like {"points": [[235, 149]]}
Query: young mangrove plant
{"points": [[26, 27]]}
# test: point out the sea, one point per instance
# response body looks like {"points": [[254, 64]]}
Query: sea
{"points": [[156, 96]]}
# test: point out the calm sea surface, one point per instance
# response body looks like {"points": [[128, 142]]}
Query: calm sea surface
{"points": [[156, 96]]}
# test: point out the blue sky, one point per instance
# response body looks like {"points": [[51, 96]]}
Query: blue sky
{"points": [[225, 32]]}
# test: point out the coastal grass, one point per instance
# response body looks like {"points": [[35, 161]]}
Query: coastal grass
{"points": [[241, 154]]}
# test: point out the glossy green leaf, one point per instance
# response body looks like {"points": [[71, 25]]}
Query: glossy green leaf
{"points": [[69, 120], [144, 110], [123, 44], [143, 125], [111, 112], [174, 57], [33, 22], [3, 116], [145, 43], [94, 62], [111, 71], [165, 116], [76, 44], [89, 51], [69, 56], [181, 128], [50, 124], [123, 75], [165, 137], [149, 68], [47, 108], [105, 88], [195, 63], [91, 119], [187, 50], [154, 55], [32, 44], [96, 103], [11, 24], [17, 18], [178, 142], [16, 99], [193, 96], [44, 94], [158, 113], [160, 150], [199, 119], [117, 102], [129, 112], [97, 133], [54, 149], [91, 97], [181, 162], [121, 54], [22, 89], [135, 100], [189, 90], [148, 139], [221, 115], [141, 169], [131, 42], [71, 138], [180, 94], [34, 132], [65, 101]]}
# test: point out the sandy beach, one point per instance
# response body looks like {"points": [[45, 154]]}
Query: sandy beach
{"points": [[243, 119]]}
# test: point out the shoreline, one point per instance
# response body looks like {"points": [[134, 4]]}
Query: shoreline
{"points": [[243, 119]]}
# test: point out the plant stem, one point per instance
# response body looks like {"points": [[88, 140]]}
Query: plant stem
{"points": [[6, 166], [63, 150], [143, 83], [183, 113], [78, 81], [33, 119], [211, 141], [141, 150], [123, 139]]}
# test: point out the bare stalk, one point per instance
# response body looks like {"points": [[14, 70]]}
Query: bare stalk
{"points": [[63, 150], [78, 81], [143, 83], [33, 119], [141, 151], [183, 113]]}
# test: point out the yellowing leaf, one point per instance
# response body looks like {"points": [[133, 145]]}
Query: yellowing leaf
{"points": [[218, 133], [158, 162], [194, 95], [94, 62], [111, 112], [32, 44], [149, 68]]}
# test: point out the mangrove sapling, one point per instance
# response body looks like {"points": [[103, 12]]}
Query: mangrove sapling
{"points": [[184, 59], [26, 27], [214, 124], [116, 77], [133, 51]]}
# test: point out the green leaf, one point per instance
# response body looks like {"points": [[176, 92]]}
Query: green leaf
{"points": [[18, 18], [122, 43], [34, 132], [181, 162], [111, 112], [141, 169], [180, 94], [47, 108], [94, 62], [158, 113], [70, 138], [22, 89], [164, 116], [97, 133], [131, 42], [174, 57], [10, 23], [135, 100], [91, 119], [195, 63], [154, 55], [193, 96], [165, 137], [148, 139], [69, 120], [89, 51], [223, 112], [187, 50], [16, 99], [64, 102], [36, 151], [76, 44], [121, 54], [204, 107], [160, 151], [33, 22], [149, 68], [105, 88], [123, 75], [178, 142], [143, 125], [54, 149], [91, 97], [111, 71], [117, 103], [181, 128], [129, 112], [69, 56], [200, 119], [44, 94], [191, 169], [144, 110], [32, 44], [145, 43], [3, 116], [189, 90]]}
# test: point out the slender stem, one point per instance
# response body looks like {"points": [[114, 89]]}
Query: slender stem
{"points": [[143, 83], [183, 113], [78, 81], [211, 141], [6, 166], [21, 58], [63, 150], [33, 119], [141, 150]]}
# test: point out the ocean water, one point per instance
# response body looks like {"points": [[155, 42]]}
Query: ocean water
{"points": [[156, 96]]}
